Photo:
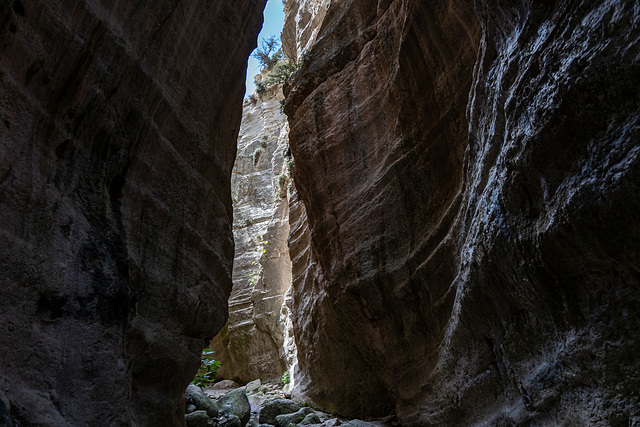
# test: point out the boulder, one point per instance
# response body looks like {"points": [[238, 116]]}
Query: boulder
{"points": [[236, 402], [198, 419], [230, 420], [360, 423], [272, 408], [310, 419], [197, 398], [295, 418], [253, 386], [225, 384]]}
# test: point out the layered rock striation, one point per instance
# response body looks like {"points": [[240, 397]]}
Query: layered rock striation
{"points": [[465, 249], [117, 138], [257, 341]]}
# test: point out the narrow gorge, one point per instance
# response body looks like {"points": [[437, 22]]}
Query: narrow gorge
{"points": [[433, 222]]}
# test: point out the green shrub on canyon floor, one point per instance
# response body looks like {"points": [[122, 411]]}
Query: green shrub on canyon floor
{"points": [[208, 370]]}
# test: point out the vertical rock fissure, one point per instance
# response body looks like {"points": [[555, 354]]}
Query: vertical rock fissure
{"points": [[255, 343]]}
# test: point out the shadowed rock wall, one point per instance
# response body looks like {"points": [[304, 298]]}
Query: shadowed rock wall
{"points": [[117, 135], [469, 172]]}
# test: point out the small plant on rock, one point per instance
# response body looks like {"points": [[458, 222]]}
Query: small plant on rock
{"points": [[254, 276], [244, 221], [285, 379], [261, 87]]}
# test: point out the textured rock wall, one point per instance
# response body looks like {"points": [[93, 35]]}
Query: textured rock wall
{"points": [[252, 344], [469, 173], [118, 124], [303, 20]]}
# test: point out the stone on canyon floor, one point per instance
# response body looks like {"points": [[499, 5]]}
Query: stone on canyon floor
{"points": [[198, 419], [253, 386], [225, 384], [272, 408], [310, 419], [359, 423], [229, 421], [237, 409], [295, 418], [236, 402], [195, 396]]}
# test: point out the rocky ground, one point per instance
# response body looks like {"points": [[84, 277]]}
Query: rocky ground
{"points": [[227, 404]]}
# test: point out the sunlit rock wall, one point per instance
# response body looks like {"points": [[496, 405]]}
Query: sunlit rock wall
{"points": [[253, 344], [118, 123], [303, 20], [469, 171]]}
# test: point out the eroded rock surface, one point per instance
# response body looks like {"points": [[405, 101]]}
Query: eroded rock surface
{"points": [[469, 171], [303, 21], [118, 124], [257, 342]]}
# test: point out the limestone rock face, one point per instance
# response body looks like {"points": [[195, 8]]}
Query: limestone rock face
{"points": [[303, 21], [255, 343], [118, 123], [466, 247]]}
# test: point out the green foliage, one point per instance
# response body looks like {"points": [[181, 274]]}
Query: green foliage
{"points": [[285, 379], [269, 52], [208, 370], [280, 73], [244, 221], [271, 57], [261, 87]]}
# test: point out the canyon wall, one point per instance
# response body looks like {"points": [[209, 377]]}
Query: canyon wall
{"points": [[117, 138], [465, 243], [303, 20], [256, 342]]}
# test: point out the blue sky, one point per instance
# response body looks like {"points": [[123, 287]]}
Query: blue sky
{"points": [[273, 22]]}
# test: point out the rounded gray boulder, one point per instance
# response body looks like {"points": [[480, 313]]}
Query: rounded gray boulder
{"points": [[237, 403], [272, 408], [295, 418], [201, 401], [198, 419]]}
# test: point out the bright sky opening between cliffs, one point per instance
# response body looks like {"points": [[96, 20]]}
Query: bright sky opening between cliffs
{"points": [[273, 23]]}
